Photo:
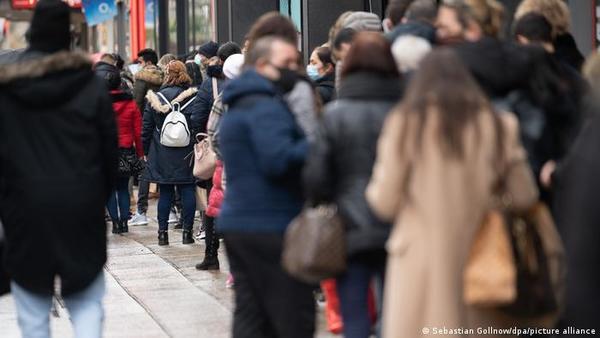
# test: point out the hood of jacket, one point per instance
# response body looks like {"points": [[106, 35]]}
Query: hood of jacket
{"points": [[151, 74], [160, 106], [249, 83], [370, 87], [38, 79]]}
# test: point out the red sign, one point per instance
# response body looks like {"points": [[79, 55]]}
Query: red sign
{"points": [[23, 4], [29, 4]]}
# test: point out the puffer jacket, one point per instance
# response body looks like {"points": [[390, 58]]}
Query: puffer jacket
{"points": [[129, 121], [58, 158], [340, 163], [217, 193], [168, 165]]}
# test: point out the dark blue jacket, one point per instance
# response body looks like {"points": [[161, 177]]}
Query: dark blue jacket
{"points": [[167, 165], [205, 100], [263, 150]]}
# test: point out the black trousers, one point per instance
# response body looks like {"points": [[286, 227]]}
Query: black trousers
{"points": [[268, 302]]}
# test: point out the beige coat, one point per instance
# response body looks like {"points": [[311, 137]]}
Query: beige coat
{"points": [[434, 227]]}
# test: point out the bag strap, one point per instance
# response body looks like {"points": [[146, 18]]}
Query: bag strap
{"points": [[188, 103], [215, 90], [165, 99]]}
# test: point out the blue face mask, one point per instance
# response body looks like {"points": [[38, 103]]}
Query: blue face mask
{"points": [[312, 72]]}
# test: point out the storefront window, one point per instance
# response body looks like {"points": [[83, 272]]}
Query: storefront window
{"points": [[201, 22]]}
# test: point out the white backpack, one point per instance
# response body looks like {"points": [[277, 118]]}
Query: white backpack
{"points": [[175, 131]]}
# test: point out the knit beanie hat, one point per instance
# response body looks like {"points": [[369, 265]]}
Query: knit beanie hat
{"points": [[233, 66], [209, 49], [50, 27], [363, 21]]}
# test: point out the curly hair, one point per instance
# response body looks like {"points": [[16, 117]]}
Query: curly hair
{"points": [[176, 74], [555, 11]]}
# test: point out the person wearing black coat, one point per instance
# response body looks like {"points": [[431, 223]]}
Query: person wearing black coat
{"points": [[170, 166], [340, 164], [321, 70], [576, 184], [58, 164]]}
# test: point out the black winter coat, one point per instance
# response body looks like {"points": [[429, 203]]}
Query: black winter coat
{"points": [[167, 165], [576, 185], [58, 162], [326, 88], [341, 161]]}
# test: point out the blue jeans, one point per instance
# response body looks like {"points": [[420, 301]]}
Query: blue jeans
{"points": [[118, 202], [353, 290], [85, 310], [188, 201]]}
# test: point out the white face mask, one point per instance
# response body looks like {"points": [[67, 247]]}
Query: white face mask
{"points": [[198, 59]]}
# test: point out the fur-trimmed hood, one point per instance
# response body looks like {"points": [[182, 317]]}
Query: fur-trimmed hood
{"points": [[151, 74], [31, 68], [46, 80], [161, 107]]}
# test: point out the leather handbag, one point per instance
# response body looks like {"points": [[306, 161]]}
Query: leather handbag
{"points": [[315, 245], [516, 263], [205, 159]]}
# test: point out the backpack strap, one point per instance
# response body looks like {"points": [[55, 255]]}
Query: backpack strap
{"points": [[188, 103], [165, 99]]}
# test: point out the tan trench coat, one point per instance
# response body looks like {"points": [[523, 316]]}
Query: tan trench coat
{"points": [[434, 227]]}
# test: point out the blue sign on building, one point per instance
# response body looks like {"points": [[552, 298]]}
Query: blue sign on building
{"points": [[98, 11]]}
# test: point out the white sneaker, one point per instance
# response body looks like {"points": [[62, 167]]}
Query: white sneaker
{"points": [[173, 218], [201, 235], [138, 219]]}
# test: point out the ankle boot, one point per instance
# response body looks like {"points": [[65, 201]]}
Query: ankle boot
{"points": [[187, 237], [124, 227], [163, 237], [116, 227], [208, 264]]}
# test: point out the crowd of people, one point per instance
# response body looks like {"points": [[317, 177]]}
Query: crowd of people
{"points": [[412, 127]]}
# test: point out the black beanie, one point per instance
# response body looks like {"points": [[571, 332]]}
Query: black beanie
{"points": [[209, 49], [50, 27]]}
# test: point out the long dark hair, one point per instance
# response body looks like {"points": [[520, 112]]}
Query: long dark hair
{"points": [[444, 86]]}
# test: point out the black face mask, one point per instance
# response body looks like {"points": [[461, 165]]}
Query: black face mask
{"points": [[287, 80], [214, 71]]}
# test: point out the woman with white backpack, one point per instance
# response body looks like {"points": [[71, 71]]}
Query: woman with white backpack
{"points": [[167, 132]]}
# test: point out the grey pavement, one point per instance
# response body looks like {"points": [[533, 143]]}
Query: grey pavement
{"points": [[154, 291]]}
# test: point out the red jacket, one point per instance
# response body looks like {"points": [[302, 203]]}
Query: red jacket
{"points": [[129, 121], [215, 198]]}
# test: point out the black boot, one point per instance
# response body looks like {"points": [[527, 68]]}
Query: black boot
{"points": [[116, 228], [211, 260], [208, 264], [124, 227], [187, 237], [163, 237]]}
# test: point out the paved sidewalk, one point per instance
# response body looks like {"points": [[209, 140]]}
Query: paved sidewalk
{"points": [[153, 291]]}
